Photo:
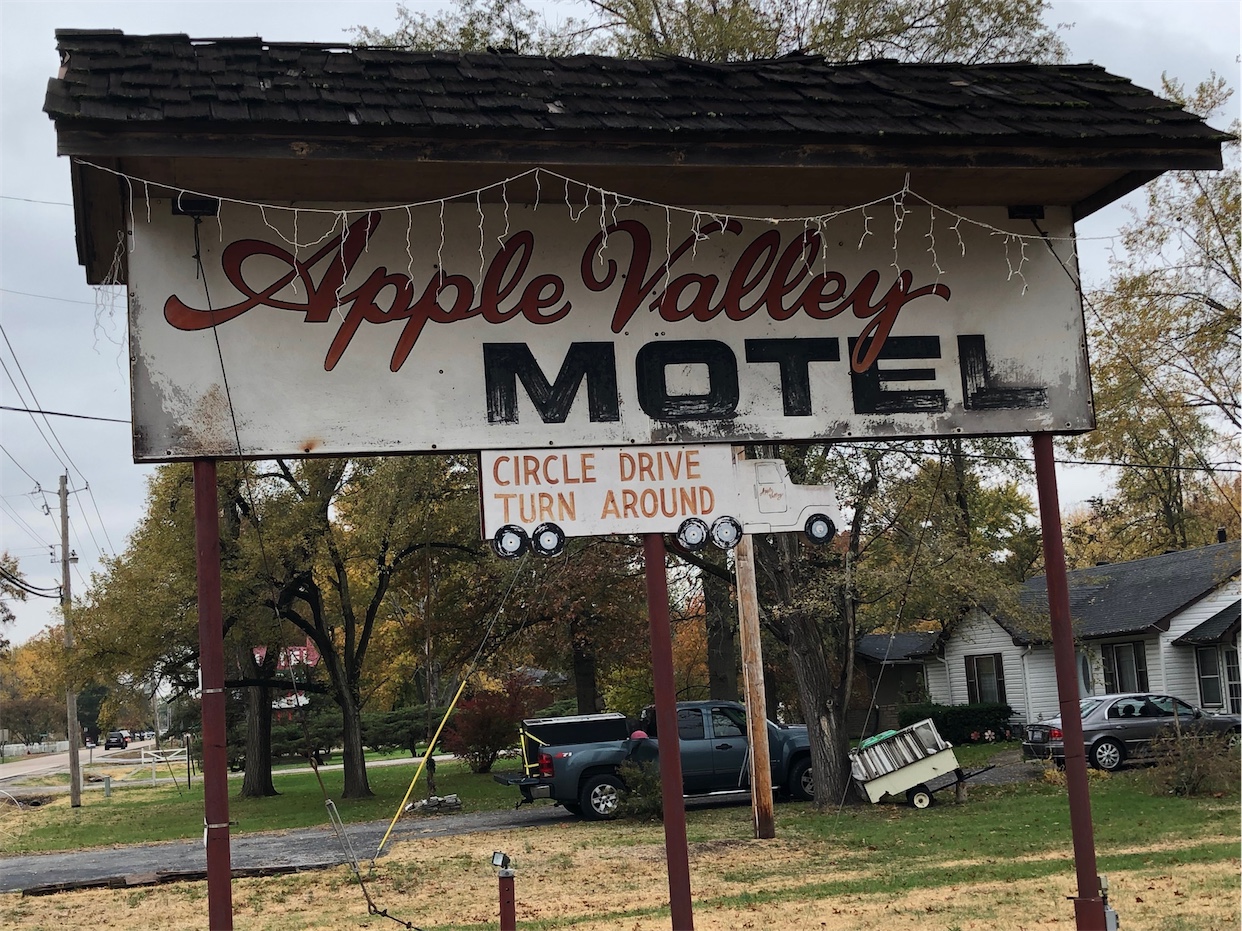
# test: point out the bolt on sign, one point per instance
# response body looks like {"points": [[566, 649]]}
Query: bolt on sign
{"points": [[502, 326]]}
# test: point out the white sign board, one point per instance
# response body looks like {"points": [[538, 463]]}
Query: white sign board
{"points": [[643, 489], [507, 326]]}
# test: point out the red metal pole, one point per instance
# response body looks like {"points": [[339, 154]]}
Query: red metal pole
{"points": [[211, 664], [1088, 905], [508, 907], [676, 848]]}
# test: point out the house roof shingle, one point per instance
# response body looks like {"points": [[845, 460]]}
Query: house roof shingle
{"points": [[897, 648], [108, 76], [1216, 629], [1135, 597]]}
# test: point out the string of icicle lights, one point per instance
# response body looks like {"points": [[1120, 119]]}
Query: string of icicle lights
{"points": [[581, 197]]}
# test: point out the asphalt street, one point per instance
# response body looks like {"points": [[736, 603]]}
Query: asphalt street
{"points": [[310, 848]]}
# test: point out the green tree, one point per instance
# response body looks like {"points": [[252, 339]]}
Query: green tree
{"points": [[1168, 361], [814, 598], [11, 589]]}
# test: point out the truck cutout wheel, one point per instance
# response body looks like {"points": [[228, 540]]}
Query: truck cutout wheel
{"points": [[510, 542], [726, 532], [548, 540], [692, 534], [819, 528]]}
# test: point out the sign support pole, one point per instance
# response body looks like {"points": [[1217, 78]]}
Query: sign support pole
{"points": [[752, 682], [676, 848], [211, 664], [1089, 903]]}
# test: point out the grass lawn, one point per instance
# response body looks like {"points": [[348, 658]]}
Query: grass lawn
{"points": [[1002, 860], [137, 814]]}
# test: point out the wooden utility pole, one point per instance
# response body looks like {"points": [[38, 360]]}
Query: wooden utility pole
{"points": [[66, 608], [752, 683]]}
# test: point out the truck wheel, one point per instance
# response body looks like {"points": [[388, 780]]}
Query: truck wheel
{"points": [[819, 528], [919, 797], [802, 781], [600, 796]]}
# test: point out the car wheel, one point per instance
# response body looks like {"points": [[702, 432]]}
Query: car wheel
{"points": [[1107, 754], [600, 797], [802, 781], [919, 797]]}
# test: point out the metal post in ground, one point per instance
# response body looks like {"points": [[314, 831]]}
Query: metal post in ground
{"points": [[676, 848], [508, 905], [211, 653], [1089, 903]]}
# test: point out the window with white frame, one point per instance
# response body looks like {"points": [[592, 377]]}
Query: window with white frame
{"points": [[1233, 681], [1208, 661], [985, 678], [1125, 666]]}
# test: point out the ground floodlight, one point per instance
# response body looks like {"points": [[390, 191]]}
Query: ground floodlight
{"points": [[726, 532], [510, 541], [548, 540], [500, 860], [692, 534], [820, 528]]}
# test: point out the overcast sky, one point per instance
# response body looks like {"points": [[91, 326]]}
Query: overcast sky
{"points": [[63, 343]]}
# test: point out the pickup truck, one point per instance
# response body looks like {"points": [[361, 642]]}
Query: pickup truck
{"points": [[584, 777]]}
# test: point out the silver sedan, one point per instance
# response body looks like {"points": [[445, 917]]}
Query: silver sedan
{"points": [[1120, 727]]}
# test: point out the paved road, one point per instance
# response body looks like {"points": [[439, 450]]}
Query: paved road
{"points": [[309, 848]]}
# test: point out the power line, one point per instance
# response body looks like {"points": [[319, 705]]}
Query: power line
{"points": [[31, 200], [38, 406], [47, 297], [20, 466], [29, 410], [21, 521]]}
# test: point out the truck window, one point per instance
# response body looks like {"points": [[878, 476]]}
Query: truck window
{"points": [[690, 724], [724, 725]]}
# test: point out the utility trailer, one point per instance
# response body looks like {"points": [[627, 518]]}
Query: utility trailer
{"points": [[915, 761]]}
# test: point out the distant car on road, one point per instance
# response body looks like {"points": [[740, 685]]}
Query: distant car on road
{"points": [[115, 741], [1119, 727]]}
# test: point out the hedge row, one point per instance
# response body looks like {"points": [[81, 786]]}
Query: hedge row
{"points": [[961, 724]]}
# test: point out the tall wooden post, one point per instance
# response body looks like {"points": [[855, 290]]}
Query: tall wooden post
{"points": [[66, 609], [676, 848], [752, 683], [1088, 904], [211, 664]]}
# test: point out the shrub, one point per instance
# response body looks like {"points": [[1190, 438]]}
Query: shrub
{"points": [[1189, 765], [643, 799], [962, 724], [487, 723]]}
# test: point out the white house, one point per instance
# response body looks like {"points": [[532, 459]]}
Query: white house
{"points": [[1168, 624]]}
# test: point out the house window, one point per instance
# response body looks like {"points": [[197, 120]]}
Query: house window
{"points": [[985, 678], [1233, 681], [1125, 667], [1208, 661]]}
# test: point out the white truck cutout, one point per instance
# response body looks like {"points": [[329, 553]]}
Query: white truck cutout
{"points": [[537, 498]]}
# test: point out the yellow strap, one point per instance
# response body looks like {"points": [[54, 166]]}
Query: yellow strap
{"points": [[422, 763]]}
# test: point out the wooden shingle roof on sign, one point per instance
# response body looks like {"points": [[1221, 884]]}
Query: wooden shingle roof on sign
{"points": [[384, 125]]}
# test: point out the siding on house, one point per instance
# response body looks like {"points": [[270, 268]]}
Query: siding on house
{"points": [[936, 676], [1041, 684], [1181, 675], [980, 634]]}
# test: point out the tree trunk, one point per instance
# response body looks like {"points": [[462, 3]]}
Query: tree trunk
{"points": [[585, 686], [356, 785], [821, 708], [721, 646], [257, 781]]}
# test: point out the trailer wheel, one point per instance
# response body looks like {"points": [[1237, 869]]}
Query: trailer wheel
{"points": [[919, 797]]}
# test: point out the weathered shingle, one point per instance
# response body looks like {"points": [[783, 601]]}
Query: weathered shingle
{"points": [[113, 77], [1133, 597]]}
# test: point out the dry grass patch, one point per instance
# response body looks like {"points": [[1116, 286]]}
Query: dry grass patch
{"points": [[593, 877]]}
